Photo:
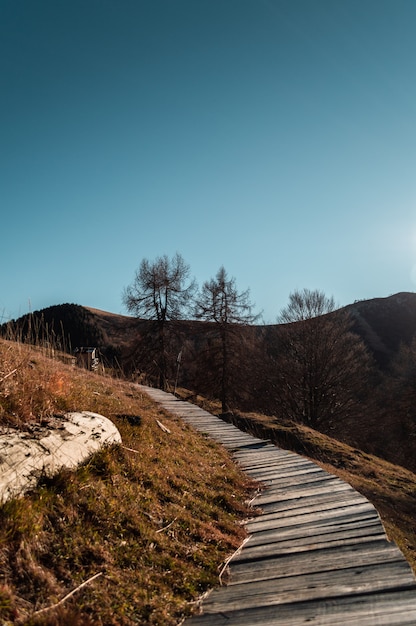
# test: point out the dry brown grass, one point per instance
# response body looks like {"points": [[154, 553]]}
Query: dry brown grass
{"points": [[157, 522]]}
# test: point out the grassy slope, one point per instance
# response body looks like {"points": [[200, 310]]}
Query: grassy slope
{"points": [[156, 522]]}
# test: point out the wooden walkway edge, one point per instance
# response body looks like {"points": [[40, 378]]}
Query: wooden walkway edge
{"points": [[317, 554]]}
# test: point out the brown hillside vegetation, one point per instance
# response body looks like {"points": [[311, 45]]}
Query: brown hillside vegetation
{"points": [[155, 518], [385, 323], [382, 420]]}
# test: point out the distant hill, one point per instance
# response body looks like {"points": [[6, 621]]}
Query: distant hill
{"points": [[385, 323], [383, 423], [70, 326], [65, 325], [382, 323]]}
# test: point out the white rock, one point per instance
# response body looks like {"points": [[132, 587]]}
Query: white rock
{"points": [[25, 456]]}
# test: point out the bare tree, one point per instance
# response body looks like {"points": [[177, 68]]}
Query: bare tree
{"points": [[162, 291], [305, 305], [219, 301], [322, 366]]}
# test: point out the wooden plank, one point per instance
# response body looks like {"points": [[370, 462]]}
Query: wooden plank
{"points": [[300, 537], [300, 544], [320, 484], [387, 609], [294, 541], [268, 551], [349, 514], [267, 466], [277, 474], [317, 553], [267, 459], [294, 482], [296, 490], [271, 452], [317, 507], [355, 580], [307, 500], [325, 559]]}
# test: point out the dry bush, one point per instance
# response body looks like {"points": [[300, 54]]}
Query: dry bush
{"points": [[32, 386]]}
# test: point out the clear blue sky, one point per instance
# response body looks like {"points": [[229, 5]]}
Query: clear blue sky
{"points": [[274, 137]]}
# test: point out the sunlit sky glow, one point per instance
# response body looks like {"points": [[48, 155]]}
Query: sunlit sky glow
{"points": [[274, 137]]}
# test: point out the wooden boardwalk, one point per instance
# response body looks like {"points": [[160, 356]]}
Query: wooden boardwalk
{"points": [[317, 554]]}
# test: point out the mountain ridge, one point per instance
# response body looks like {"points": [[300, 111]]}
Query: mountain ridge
{"points": [[382, 323], [382, 423]]}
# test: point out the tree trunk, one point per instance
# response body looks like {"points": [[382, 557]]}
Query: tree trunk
{"points": [[224, 378], [163, 383]]}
